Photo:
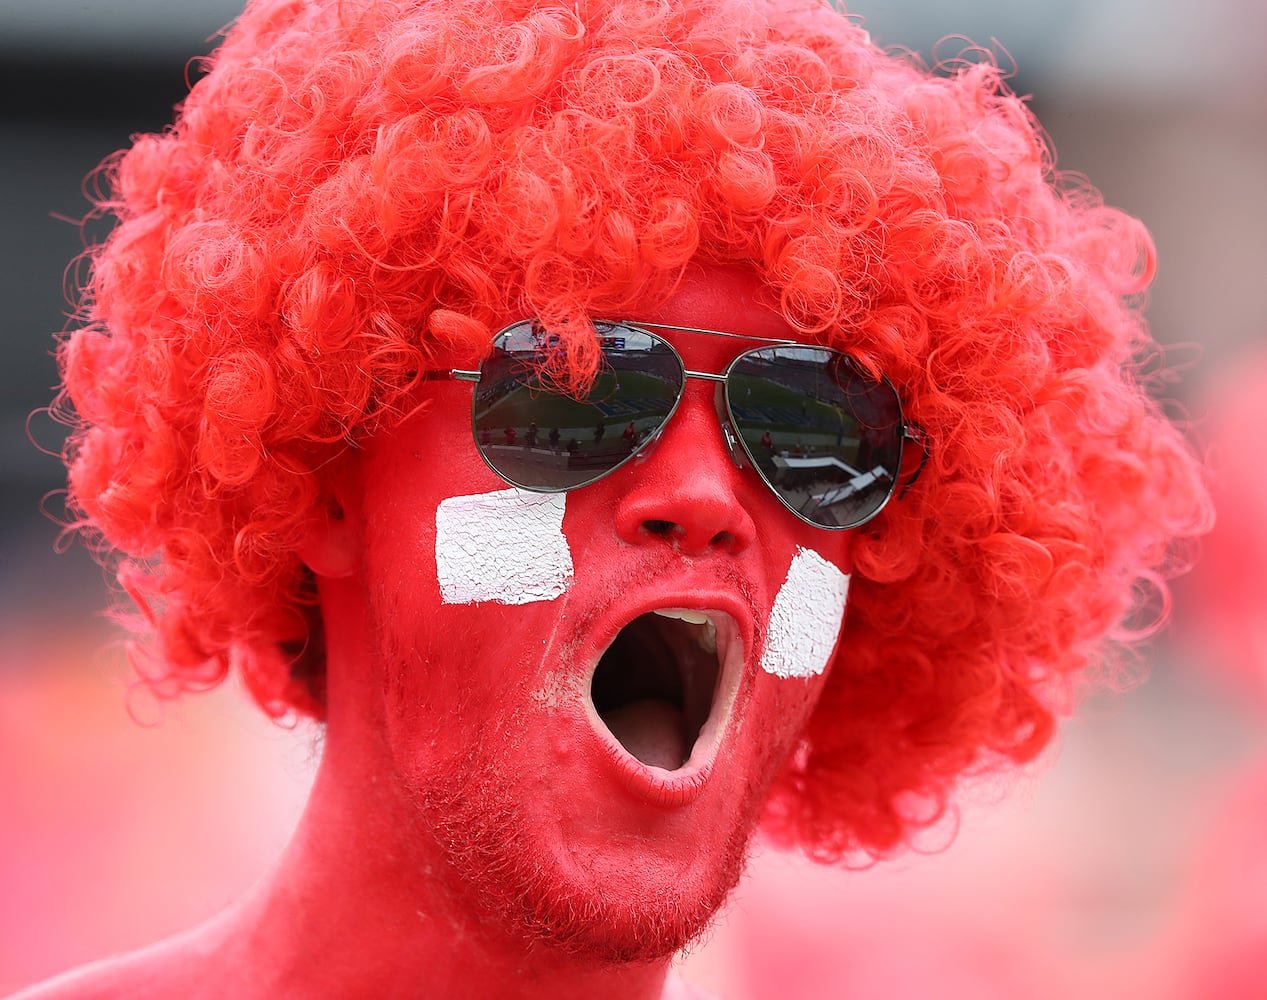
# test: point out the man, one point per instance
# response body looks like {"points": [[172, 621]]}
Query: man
{"points": [[561, 691]]}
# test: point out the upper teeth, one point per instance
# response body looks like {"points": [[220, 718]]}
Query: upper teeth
{"points": [[694, 617], [707, 638]]}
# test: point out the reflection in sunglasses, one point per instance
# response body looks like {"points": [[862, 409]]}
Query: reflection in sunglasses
{"points": [[824, 437]]}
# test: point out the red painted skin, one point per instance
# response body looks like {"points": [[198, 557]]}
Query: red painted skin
{"points": [[463, 783]]}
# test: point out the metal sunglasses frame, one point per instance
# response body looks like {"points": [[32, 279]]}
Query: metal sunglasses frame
{"points": [[738, 450]]}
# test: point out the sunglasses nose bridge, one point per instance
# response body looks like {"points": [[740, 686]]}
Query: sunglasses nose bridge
{"points": [[686, 496], [729, 432]]}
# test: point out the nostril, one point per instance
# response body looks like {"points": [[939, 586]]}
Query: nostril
{"points": [[690, 509], [723, 540]]}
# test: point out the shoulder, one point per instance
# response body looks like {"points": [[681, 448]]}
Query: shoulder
{"points": [[108, 979], [175, 969], [677, 988]]}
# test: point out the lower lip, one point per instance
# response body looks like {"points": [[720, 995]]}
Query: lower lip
{"points": [[685, 784], [669, 789]]}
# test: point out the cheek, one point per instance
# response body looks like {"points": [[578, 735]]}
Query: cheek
{"points": [[805, 618], [800, 639], [506, 547]]}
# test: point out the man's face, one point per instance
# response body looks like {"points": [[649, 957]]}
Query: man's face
{"points": [[584, 697]]}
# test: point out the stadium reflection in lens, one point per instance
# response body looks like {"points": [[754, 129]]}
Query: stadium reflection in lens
{"points": [[824, 435]]}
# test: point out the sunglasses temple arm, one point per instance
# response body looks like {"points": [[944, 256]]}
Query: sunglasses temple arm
{"points": [[914, 433], [455, 374]]}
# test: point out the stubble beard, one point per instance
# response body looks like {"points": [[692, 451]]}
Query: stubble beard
{"points": [[510, 874], [505, 868]]}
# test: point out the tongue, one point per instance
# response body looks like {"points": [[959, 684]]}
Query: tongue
{"points": [[651, 730]]}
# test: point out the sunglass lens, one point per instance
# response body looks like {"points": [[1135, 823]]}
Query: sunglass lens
{"points": [[537, 436], [825, 436]]}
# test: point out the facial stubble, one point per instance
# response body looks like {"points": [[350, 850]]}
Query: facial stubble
{"points": [[512, 873]]}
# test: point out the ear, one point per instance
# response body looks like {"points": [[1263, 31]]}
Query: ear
{"points": [[332, 547]]}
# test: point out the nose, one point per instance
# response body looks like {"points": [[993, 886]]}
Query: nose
{"points": [[686, 491]]}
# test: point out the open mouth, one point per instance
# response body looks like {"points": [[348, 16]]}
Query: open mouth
{"points": [[655, 686]]}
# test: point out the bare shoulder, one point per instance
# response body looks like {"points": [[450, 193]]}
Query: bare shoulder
{"points": [[114, 977], [677, 988], [179, 967]]}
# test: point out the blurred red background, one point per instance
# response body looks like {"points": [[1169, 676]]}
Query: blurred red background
{"points": [[1131, 862]]}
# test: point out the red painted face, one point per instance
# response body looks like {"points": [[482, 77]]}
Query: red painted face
{"points": [[542, 741]]}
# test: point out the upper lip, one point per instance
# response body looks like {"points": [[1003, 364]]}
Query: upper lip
{"points": [[733, 621]]}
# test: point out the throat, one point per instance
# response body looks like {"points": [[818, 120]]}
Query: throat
{"points": [[653, 688], [652, 730]]}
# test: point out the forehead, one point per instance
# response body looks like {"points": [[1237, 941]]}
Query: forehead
{"points": [[723, 299], [727, 299]]}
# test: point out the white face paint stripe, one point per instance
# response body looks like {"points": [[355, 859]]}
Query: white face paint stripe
{"points": [[806, 617], [507, 547]]}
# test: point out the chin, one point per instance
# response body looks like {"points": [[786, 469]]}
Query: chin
{"points": [[626, 901], [637, 906], [595, 923]]}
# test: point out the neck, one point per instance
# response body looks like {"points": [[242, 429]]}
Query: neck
{"points": [[338, 917], [365, 901]]}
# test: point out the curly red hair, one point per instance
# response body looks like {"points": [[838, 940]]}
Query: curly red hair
{"points": [[358, 189]]}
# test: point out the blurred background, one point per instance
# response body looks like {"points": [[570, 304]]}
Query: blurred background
{"points": [[1131, 862]]}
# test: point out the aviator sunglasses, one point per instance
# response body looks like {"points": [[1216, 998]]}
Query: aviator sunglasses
{"points": [[824, 436]]}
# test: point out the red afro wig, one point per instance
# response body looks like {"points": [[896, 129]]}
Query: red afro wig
{"points": [[358, 189]]}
